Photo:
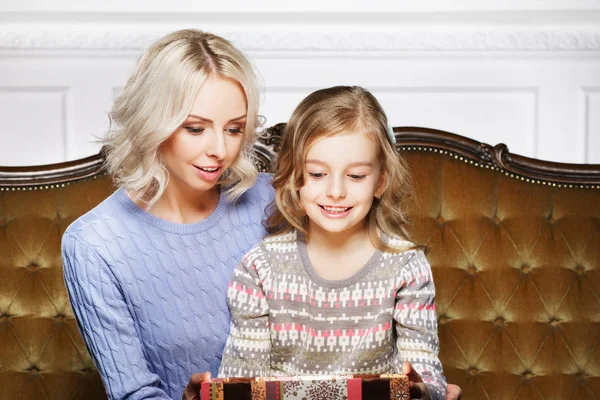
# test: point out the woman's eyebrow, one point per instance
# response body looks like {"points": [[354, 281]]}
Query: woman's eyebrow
{"points": [[211, 121], [238, 118]]}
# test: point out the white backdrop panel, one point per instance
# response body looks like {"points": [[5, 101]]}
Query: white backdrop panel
{"points": [[37, 119], [592, 123]]}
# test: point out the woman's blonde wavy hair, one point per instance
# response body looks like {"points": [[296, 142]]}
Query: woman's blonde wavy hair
{"points": [[329, 112], [157, 100]]}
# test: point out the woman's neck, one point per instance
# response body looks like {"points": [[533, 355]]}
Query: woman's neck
{"points": [[184, 206]]}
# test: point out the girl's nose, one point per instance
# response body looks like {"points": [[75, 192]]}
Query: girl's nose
{"points": [[336, 188]]}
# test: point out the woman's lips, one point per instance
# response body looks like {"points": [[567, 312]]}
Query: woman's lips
{"points": [[209, 173]]}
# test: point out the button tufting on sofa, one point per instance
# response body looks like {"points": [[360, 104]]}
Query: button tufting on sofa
{"points": [[34, 370], [527, 375], [500, 322], [554, 322], [59, 318], [87, 370], [581, 376], [33, 267]]}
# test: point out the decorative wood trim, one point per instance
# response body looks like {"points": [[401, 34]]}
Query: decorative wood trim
{"points": [[498, 157], [52, 175], [482, 155]]}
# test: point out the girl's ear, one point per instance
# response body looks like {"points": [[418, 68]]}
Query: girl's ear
{"points": [[381, 185]]}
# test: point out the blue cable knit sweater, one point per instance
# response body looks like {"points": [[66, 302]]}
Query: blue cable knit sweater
{"points": [[150, 295]]}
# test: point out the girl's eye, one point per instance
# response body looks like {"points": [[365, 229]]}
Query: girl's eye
{"points": [[316, 175], [356, 177], [194, 130]]}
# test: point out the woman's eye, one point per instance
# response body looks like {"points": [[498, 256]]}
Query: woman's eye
{"points": [[316, 175], [192, 129], [234, 131], [356, 177]]}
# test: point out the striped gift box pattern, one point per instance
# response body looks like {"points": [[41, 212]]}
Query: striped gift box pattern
{"points": [[344, 387]]}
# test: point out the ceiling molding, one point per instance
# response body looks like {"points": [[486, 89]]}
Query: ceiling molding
{"points": [[299, 38]]}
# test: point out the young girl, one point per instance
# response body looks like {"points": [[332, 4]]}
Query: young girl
{"points": [[336, 288]]}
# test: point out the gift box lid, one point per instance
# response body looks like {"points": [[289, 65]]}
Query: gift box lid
{"points": [[322, 387]]}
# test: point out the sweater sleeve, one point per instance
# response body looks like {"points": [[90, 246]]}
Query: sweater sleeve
{"points": [[248, 348], [107, 326], [416, 324]]}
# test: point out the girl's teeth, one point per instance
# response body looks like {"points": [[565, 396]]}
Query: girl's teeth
{"points": [[335, 209], [209, 169]]}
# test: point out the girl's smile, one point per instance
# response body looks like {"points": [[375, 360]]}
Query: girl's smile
{"points": [[335, 211]]}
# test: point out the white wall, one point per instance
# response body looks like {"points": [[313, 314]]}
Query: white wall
{"points": [[524, 73]]}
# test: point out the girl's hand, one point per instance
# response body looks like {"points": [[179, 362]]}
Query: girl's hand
{"points": [[418, 390], [454, 392], [192, 390]]}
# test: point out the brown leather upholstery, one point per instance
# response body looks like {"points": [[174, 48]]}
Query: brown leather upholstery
{"points": [[516, 263], [42, 355]]}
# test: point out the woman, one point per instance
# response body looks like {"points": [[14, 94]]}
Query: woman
{"points": [[147, 269]]}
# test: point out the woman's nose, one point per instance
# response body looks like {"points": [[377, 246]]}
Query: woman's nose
{"points": [[216, 147]]}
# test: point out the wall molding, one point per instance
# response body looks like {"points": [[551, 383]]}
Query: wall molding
{"points": [[590, 95], [295, 38]]}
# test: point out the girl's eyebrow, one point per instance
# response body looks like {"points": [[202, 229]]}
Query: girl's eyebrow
{"points": [[354, 164], [210, 121]]}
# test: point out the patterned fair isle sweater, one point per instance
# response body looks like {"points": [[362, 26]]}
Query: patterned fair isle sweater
{"points": [[287, 320]]}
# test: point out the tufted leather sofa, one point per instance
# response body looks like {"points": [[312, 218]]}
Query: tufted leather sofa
{"points": [[514, 245]]}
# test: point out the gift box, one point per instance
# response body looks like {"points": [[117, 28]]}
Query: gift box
{"points": [[343, 387]]}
